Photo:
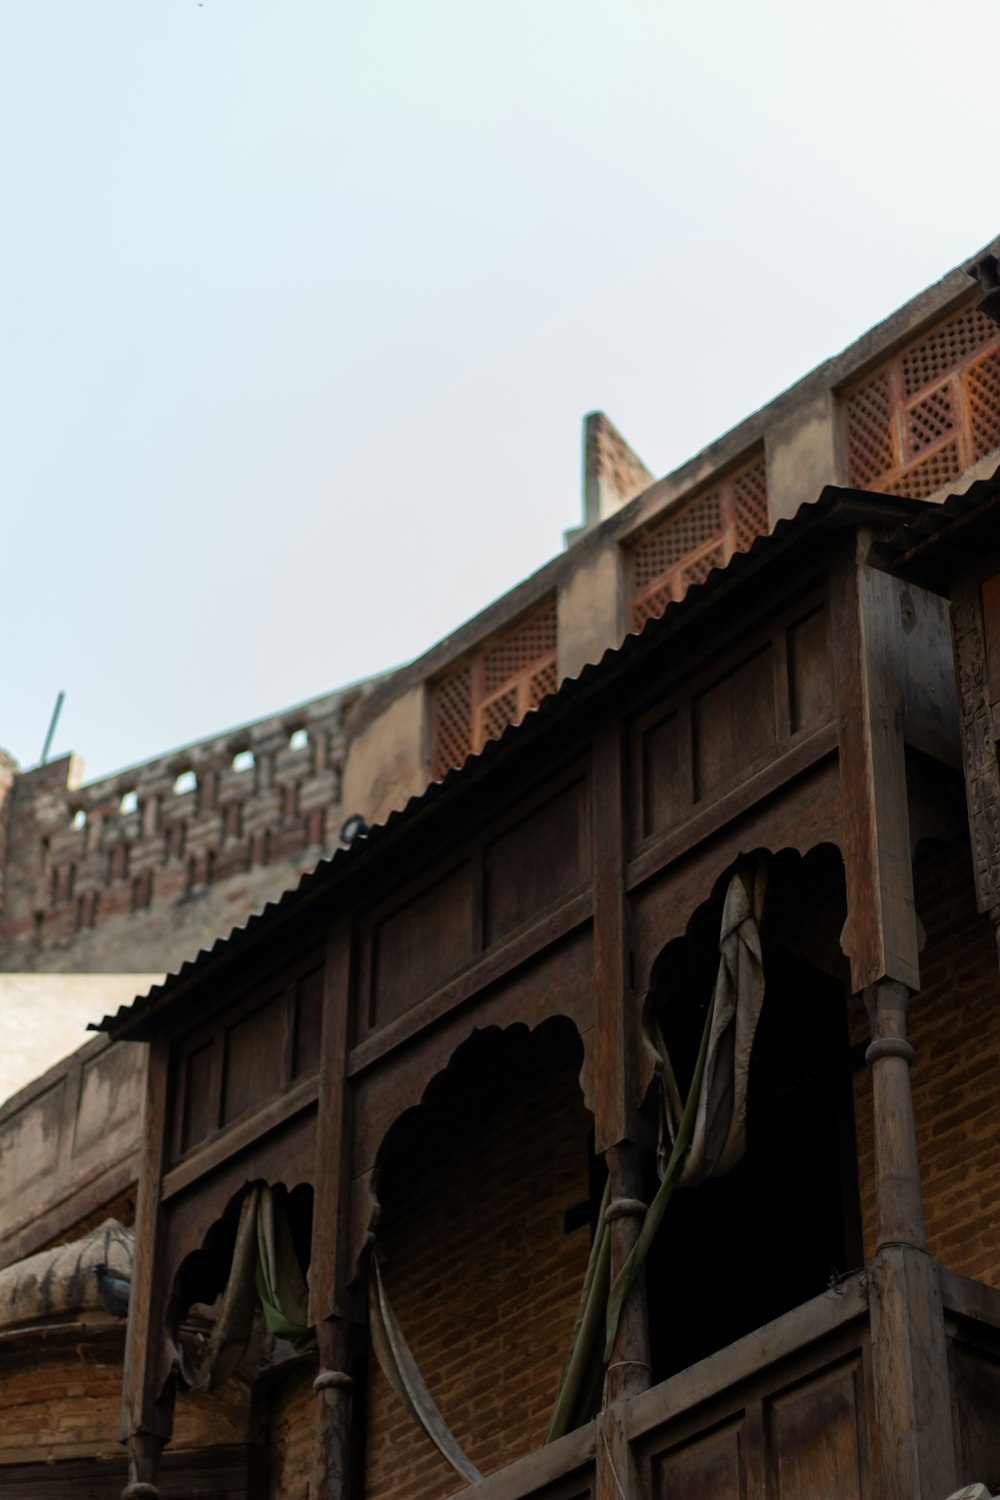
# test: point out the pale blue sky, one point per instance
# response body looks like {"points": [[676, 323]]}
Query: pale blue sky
{"points": [[304, 303]]}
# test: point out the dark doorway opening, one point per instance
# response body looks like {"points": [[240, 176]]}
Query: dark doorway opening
{"points": [[739, 1250]]}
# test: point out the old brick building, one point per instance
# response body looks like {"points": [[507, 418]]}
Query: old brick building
{"points": [[436, 1052]]}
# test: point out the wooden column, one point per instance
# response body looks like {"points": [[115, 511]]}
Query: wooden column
{"points": [[330, 1306], [912, 1399], [334, 1387], [147, 1408], [628, 1371], [909, 1356], [899, 1208], [629, 1366], [619, 1130]]}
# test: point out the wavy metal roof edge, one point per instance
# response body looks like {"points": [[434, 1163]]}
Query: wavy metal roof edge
{"points": [[786, 529], [926, 528]]}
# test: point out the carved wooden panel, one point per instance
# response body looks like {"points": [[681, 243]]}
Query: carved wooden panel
{"points": [[706, 1467], [805, 1438], [816, 1448], [254, 1056], [975, 1375], [810, 683], [196, 1114], [264, 1043], [420, 944], [541, 859], [516, 867], [733, 723], [704, 740], [665, 787], [308, 1023]]}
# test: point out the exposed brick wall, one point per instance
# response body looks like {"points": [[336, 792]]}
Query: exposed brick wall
{"points": [[61, 1401], [131, 874], [482, 1276], [61, 1404], [612, 473], [289, 1402], [954, 1027]]}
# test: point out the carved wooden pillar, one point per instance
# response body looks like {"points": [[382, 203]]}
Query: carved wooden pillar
{"points": [[620, 1132], [916, 1449], [908, 1350], [143, 1463], [628, 1370], [629, 1366], [334, 1387], [899, 1208], [147, 1398], [331, 1305]]}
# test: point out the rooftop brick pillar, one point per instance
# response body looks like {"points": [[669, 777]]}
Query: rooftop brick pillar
{"points": [[612, 474]]}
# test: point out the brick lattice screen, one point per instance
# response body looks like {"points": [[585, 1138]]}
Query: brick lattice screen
{"points": [[509, 675], [918, 422], [685, 547]]}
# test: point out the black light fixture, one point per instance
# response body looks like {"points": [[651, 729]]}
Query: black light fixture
{"points": [[354, 828]]}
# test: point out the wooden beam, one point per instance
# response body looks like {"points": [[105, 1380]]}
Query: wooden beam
{"points": [[615, 1114], [880, 937], [332, 1174], [334, 1387], [147, 1411]]}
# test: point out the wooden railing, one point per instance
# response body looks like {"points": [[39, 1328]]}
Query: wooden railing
{"points": [[786, 1412]]}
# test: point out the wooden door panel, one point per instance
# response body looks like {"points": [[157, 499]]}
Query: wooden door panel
{"points": [[710, 1466], [815, 1452]]}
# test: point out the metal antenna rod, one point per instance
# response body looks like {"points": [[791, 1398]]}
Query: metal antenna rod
{"points": [[52, 727]]}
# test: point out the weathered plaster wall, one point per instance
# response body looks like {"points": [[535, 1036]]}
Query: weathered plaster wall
{"points": [[68, 1146], [590, 609], [386, 760], [803, 454]]}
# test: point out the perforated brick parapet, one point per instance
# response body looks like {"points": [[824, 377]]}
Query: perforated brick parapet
{"points": [[138, 870]]}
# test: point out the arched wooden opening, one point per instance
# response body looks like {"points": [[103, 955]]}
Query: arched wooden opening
{"points": [[738, 1250], [484, 1233], [203, 1274]]}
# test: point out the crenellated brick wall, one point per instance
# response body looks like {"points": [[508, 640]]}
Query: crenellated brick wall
{"points": [[138, 870]]}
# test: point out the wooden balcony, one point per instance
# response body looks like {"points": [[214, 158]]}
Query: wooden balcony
{"points": [[787, 1412]]}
